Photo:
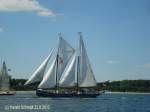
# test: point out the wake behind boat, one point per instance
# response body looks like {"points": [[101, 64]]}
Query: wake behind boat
{"points": [[4, 81], [69, 75]]}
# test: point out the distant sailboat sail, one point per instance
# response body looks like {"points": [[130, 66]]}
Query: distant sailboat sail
{"points": [[39, 72], [4, 78]]}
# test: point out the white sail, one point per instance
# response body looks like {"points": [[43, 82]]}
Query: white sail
{"points": [[4, 78], [39, 72], [68, 76], [86, 76], [64, 53], [49, 80]]}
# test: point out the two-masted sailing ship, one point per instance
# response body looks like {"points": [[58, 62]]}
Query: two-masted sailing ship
{"points": [[5, 81], [69, 74]]}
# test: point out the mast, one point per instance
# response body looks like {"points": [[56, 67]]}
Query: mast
{"points": [[56, 87], [57, 64], [78, 73], [78, 62]]}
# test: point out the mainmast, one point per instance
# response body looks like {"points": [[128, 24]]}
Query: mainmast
{"points": [[57, 72], [57, 63], [78, 62], [78, 71]]}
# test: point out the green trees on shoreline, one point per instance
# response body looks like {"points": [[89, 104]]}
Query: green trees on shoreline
{"points": [[116, 86], [126, 86], [18, 85]]}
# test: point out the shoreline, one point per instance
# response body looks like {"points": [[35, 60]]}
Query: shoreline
{"points": [[127, 93]]}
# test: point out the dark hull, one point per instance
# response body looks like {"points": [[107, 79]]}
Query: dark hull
{"points": [[66, 95], [7, 94]]}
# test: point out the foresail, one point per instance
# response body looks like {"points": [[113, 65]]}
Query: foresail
{"points": [[39, 72], [89, 80], [64, 53], [86, 78], [68, 76], [49, 80]]}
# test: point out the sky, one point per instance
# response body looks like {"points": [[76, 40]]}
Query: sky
{"points": [[116, 34]]}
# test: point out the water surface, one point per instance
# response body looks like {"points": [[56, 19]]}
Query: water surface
{"points": [[105, 103]]}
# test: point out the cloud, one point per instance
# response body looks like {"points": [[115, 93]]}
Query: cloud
{"points": [[112, 61], [145, 66], [25, 6], [1, 29], [46, 13]]}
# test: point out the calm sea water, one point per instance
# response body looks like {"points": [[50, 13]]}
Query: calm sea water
{"points": [[105, 103]]}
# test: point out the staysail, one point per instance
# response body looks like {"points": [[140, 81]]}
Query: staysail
{"points": [[63, 55], [39, 72], [4, 78], [86, 76], [68, 76]]}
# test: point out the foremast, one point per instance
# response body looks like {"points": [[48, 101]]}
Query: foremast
{"points": [[78, 72], [57, 65]]}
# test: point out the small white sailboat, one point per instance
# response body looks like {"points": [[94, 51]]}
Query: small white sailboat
{"points": [[5, 81], [69, 75]]}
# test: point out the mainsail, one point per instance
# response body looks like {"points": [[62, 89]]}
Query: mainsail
{"points": [[78, 71], [63, 55], [4, 78], [86, 76], [39, 72]]}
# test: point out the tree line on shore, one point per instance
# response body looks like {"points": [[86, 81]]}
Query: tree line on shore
{"points": [[126, 86], [114, 86]]}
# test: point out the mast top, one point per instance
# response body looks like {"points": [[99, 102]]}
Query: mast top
{"points": [[79, 33], [60, 35], [4, 63]]}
